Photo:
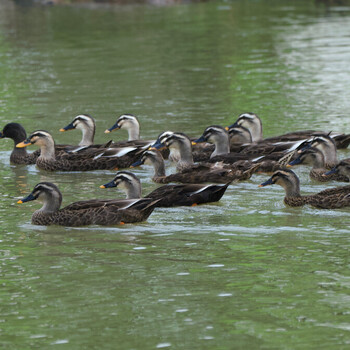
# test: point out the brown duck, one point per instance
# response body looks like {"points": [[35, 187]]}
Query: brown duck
{"points": [[253, 123], [328, 199], [17, 133], [168, 195], [89, 212], [195, 173], [90, 159], [315, 157]]}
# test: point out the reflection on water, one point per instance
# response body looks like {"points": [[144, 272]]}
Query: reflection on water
{"points": [[247, 270]]}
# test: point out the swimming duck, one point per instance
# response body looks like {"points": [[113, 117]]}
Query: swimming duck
{"points": [[270, 160], [217, 135], [253, 123], [195, 173], [168, 195], [87, 125], [327, 199], [327, 147], [109, 158], [128, 122], [17, 133], [342, 168], [89, 212], [314, 156], [239, 135]]}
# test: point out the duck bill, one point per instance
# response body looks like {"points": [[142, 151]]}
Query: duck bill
{"points": [[109, 185], [68, 127], [116, 126], [23, 144], [201, 139], [294, 162], [267, 183], [157, 146], [138, 163], [30, 197], [330, 172]]}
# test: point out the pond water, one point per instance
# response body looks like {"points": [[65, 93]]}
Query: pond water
{"points": [[244, 273]]}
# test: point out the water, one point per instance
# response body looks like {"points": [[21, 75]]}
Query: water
{"points": [[245, 273]]}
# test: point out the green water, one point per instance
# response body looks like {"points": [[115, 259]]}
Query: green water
{"points": [[245, 273]]}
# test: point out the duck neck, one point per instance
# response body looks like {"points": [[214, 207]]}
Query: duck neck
{"points": [[18, 152], [318, 162], [330, 154], [158, 166], [256, 132], [292, 189], [52, 203], [88, 136], [185, 151], [222, 146], [134, 132], [132, 190], [17, 138], [47, 150]]}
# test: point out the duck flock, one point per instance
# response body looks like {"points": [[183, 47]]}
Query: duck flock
{"points": [[205, 167]]}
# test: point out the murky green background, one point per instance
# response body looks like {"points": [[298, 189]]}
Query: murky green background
{"points": [[246, 273]]}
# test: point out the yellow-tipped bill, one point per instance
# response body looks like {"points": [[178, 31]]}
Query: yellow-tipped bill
{"points": [[107, 131], [23, 144], [102, 186], [193, 143], [227, 128], [62, 130], [20, 201]]}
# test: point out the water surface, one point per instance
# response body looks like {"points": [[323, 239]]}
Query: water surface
{"points": [[245, 273]]}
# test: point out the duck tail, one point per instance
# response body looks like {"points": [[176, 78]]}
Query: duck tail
{"points": [[342, 141], [249, 172], [284, 161], [148, 209]]}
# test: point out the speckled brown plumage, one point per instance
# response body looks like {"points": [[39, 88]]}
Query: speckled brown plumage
{"points": [[91, 158], [168, 195], [187, 195], [328, 199], [202, 173], [315, 157], [89, 212]]}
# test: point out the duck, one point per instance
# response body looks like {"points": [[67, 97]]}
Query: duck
{"points": [[343, 168], [328, 199], [270, 160], [17, 133], [168, 195], [239, 135], [195, 173], [89, 212], [85, 123], [105, 158], [253, 123], [219, 136], [315, 157], [327, 147], [130, 123]]}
